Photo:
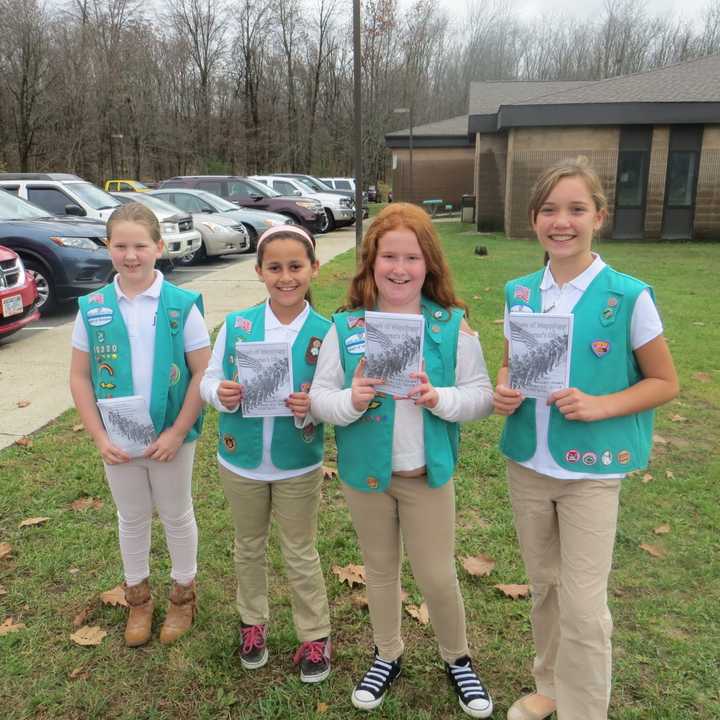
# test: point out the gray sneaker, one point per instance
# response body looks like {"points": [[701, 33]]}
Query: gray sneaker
{"points": [[314, 660], [253, 651]]}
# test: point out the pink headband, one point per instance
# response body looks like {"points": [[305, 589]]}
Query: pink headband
{"points": [[296, 229]]}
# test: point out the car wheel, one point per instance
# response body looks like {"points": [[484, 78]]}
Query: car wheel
{"points": [[252, 234], [47, 299], [194, 257], [330, 225]]}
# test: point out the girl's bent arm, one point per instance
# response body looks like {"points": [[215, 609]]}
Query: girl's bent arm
{"points": [[658, 386], [506, 400]]}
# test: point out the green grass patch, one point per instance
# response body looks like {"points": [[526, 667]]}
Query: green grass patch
{"points": [[666, 610]]}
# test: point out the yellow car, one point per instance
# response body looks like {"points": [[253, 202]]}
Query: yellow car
{"points": [[125, 186]]}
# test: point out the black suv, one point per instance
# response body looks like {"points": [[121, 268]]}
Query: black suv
{"points": [[247, 193]]}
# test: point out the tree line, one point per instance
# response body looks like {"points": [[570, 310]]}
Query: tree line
{"points": [[108, 88]]}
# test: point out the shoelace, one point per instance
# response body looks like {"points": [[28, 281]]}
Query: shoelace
{"points": [[253, 637], [376, 676], [467, 681], [313, 650]]}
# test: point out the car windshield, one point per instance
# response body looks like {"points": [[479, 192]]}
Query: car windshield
{"points": [[216, 201], [261, 189], [94, 196], [13, 208], [315, 184], [163, 207]]}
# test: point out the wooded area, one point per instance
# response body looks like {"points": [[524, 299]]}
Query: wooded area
{"points": [[108, 88]]}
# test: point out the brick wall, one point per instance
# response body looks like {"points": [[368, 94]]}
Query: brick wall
{"points": [[656, 181], [707, 203], [490, 172]]}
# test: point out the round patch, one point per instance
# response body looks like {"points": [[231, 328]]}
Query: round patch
{"points": [[606, 458], [589, 458], [100, 316], [355, 344], [521, 309], [175, 374], [308, 433], [229, 442], [373, 482], [623, 457], [572, 456], [612, 302]]}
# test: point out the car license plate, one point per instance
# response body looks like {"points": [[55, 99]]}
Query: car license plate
{"points": [[12, 305]]}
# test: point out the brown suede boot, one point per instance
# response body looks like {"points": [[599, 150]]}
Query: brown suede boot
{"points": [[181, 612], [139, 622]]}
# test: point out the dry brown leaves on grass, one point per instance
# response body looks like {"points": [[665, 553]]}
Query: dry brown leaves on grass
{"points": [[78, 427], [84, 503], [359, 601], [24, 442], [79, 674], [499, 322], [663, 529], [659, 439], [23, 403], [10, 626], [116, 596], [514, 591], [3, 590], [646, 478], [329, 473], [479, 565], [653, 550], [702, 377], [421, 613], [31, 522], [82, 616], [5, 550], [350, 574], [678, 418], [669, 474], [322, 708], [88, 635]]}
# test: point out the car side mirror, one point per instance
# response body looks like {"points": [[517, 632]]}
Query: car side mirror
{"points": [[256, 197], [75, 210], [297, 193]]}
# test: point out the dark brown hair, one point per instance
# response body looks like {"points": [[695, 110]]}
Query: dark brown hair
{"points": [[288, 234]]}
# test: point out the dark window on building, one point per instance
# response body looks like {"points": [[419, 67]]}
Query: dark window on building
{"points": [[632, 172], [682, 171]]}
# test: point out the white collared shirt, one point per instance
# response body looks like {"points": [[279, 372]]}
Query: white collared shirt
{"points": [[139, 313], [645, 326], [275, 331]]}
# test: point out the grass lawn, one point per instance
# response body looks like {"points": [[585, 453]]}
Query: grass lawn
{"points": [[666, 609]]}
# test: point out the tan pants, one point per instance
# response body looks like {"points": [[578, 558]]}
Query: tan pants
{"points": [[422, 518], [566, 530], [294, 503]]}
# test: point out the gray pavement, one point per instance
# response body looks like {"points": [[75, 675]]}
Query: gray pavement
{"points": [[34, 364]]}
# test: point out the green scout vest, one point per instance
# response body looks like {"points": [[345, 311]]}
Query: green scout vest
{"points": [[603, 362], [110, 361], [241, 439], [365, 446]]}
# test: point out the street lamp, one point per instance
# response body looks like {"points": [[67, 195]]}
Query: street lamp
{"points": [[403, 111], [119, 138]]}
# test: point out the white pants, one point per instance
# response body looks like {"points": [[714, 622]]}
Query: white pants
{"points": [[139, 486]]}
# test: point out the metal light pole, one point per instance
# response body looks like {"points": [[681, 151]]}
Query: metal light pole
{"points": [[409, 111], [119, 139], [357, 127]]}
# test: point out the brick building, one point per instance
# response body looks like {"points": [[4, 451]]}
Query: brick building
{"points": [[653, 137]]}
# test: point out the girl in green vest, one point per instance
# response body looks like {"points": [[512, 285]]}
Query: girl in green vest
{"points": [[272, 465], [396, 456], [567, 455], [142, 336]]}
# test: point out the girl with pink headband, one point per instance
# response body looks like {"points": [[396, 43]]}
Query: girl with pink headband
{"points": [[273, 465]]}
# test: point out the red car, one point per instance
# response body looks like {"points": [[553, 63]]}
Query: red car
{"points": [[18, 294]]}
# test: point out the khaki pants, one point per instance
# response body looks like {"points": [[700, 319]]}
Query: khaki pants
{"points": [[294, 503], [566, 530], [422, 518]]}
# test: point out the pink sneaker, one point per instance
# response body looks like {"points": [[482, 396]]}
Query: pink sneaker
{"points": [[253, 652]]}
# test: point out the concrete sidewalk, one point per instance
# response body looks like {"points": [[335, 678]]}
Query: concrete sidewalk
{"points": [[36, 367]]}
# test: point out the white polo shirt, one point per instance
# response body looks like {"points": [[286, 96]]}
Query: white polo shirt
{"points": [[139, 314], [645, 326]]}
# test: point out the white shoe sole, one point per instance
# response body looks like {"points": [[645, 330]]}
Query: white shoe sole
{"points": [[366, 704], [314, 678], [256, 664], [486, 713]]}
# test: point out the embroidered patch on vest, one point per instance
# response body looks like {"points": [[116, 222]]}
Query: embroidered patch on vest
{"points": [[97, 317], [589, 458], [354, 321], [107, 368], [243, 324], [373, 482], [623, 457], [374, 404], [522, 293], [612, 302], [229, 442], [313, 350], [107, 385], [305, 387], [521, 308], [355, 344], [600, 347], [308, 433], [174, 320], [606, 458], [572, 456], [100, 336], [175, 374], [97, 298]]}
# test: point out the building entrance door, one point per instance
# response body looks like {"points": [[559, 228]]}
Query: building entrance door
{"points": [[631, 184]]}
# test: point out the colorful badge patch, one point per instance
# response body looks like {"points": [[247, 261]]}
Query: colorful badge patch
{"points": [[305, 387], [100, 336], [612, 302], [521, 308], [522, 293], [354, 321], [97, 298], [589, 458], [107, 368], [313, 350], [374, 404], [572, 456], [107, 385], [243, 324], [229, 442], [441, 315], [623, 457], [373, 482], [105, 352], [175, 374], [600, 347], [308, 433], [606, 458], [355, 344], [100, 316]]}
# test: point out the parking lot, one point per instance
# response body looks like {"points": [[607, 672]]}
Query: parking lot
{"points": [[34, 362]]}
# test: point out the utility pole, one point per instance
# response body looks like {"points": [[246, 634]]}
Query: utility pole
{"points": [[357, 127]]}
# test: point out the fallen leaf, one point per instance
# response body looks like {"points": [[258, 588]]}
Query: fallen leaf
{"points": [[487, 289], [78, 427], [79, 674], [677, 418], [653, 550], [5, 550], [419, 613], [82, 616], [514, 591], [659, 439], [329, 473], [477, 297], [669, 474], [3, 591], [499, 322], [403, 595], [480, 565], [116, 596], [351, 574], [24, 442], [359, 601], [8, 626], [700, 324], [84, 503], [663, 529], [30, 522], [88, 635], [322, 708], [679, 442], [702, 377], [74, 571], [23, 403], [646, 478]]}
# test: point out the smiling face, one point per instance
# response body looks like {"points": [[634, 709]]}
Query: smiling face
{"points": [[133, 253], [566, 221], [399, 271], [287, 272]]}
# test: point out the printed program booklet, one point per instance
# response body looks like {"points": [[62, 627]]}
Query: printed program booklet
{"points": [[539, 353], [265, 371], [128, 423], [393, 350]]}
